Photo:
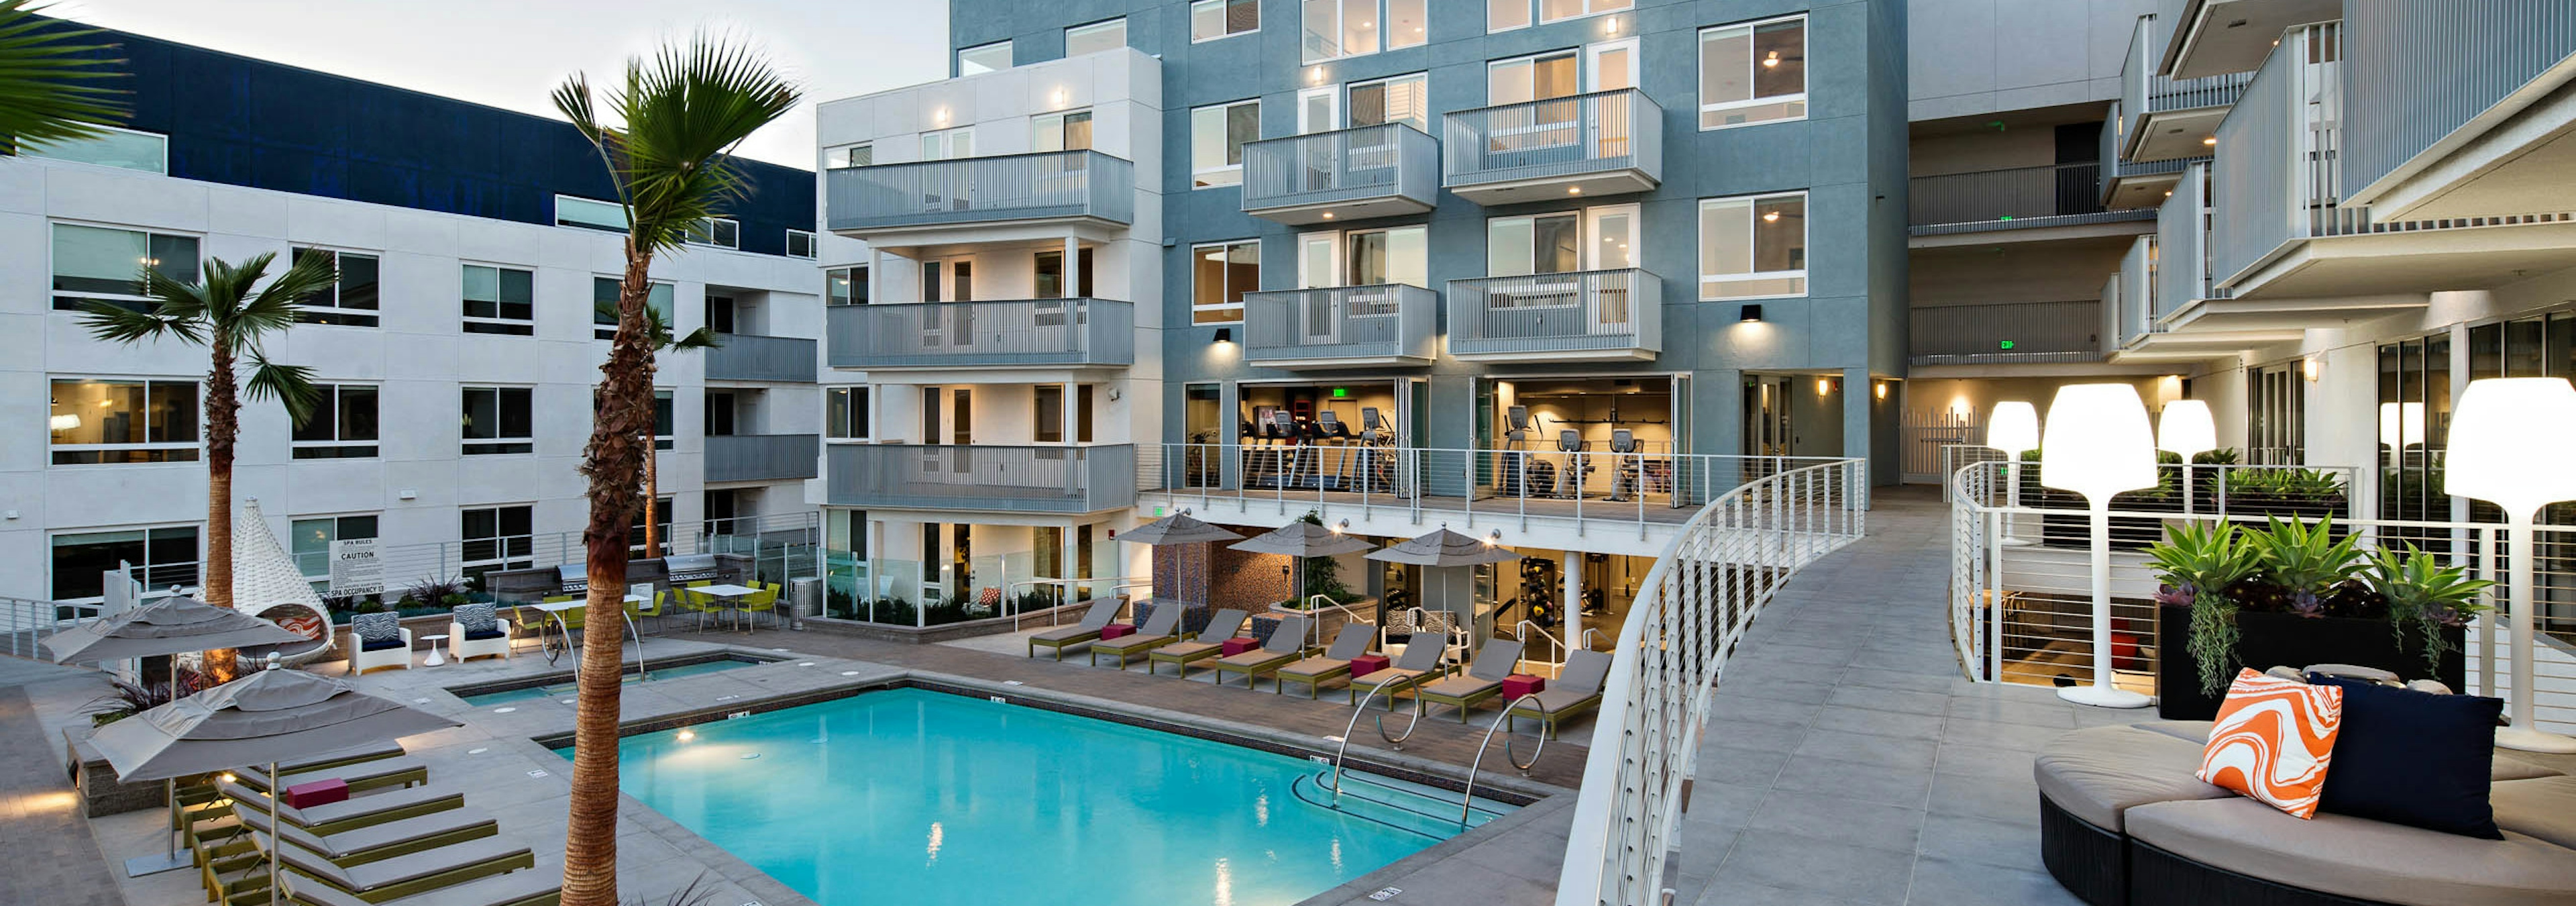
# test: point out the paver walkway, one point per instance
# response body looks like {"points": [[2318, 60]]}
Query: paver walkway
{"points": [[45, 844]]}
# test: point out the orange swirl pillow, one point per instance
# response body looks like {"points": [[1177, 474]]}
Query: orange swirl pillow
{"points": [[2272, 741]]}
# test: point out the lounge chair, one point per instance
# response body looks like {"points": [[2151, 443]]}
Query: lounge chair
{"points": [[356, 812], [1156, 633], [521, 888], [400, 876], [376, 843], [361, 776], [1334, 663], [1102, 611], [1577, 689], [1418, 664], [343, 757], [1221, 627], [1283, 648], [1483, 679]]}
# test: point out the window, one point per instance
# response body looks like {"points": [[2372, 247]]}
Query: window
{"points": [[665, 427], [1539, 78], [716, 231], [1050, 273], [1217, 137], [352, 301], [1095, 37], [603, 305], [1220, 274], [661, 540], [1753, 247], [500, 300], [845, 413], [993, 57], [310, 540], [498, 420], [1397, 255], [587, 214], [949, 144], [120, 421], [499, 537], [960, 283], [858, 155], [1505, 15], [800, 243], [1396, 99], [112, 147], [1067, 131], [1348, 28], [845, 286], [161, 557], [1540, 244], [1753, 73], [98, 264], [343, 424], [720, 413], [1213, 19]]}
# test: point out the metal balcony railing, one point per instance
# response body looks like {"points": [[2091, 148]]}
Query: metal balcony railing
{"points": [[2134, 290], [1369, 163], [2003, 333], [2420, 71], [1046, 186], [1356, 325], [1582, 135], [2145, 95], [1619, 311], [2182, 245], [761, 457], [750, 357], [1002, 333], [981, 477], [2275, 181], [2017, 198], [2116, 167]]}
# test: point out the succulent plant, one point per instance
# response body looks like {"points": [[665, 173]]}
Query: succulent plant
{"points": [[2423, 592]]}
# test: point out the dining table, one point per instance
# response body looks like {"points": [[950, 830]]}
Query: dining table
{"points": [[728, 597]]}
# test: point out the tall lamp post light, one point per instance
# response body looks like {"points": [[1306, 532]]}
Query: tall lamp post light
{"points": [[2012, 431], [2186, 430], [2098, 444], [2508, 446]]}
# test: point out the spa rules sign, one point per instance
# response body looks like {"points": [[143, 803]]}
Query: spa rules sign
{"points": [[355, 570]]}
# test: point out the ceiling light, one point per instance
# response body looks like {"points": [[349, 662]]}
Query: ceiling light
{"points": [[1772, 60], [1328, 215], [1575, 190], [2211, 140], [1771, 217]]}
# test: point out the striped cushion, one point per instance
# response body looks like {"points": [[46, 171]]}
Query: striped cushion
{"points": [[381, 626], [2272, 741], [476, 618]]}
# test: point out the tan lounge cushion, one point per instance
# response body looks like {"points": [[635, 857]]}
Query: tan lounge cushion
{"points": [[1065, 635], [1550, 701], [1461, 687], [2358, 857], [1180, 650], [1129, 643], [1315, 666], [1255, 658], [2542, 807], [2098, 773]]}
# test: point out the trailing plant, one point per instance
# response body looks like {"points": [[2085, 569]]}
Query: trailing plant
{"points": [[2197, 565], [2423, 592], [2305, 562]]}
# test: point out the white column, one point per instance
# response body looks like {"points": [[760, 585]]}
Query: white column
{"points": [[1573, 622], [876, 270], [1072, 267], [1069, 408]]}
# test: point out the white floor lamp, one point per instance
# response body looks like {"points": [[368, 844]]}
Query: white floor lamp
{"points": [[2508, 446], [2012, 431], [2098, 444], [2186, 430]]}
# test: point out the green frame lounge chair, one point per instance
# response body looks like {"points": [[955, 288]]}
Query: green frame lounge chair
{"points": [[1577, 690], [1286, 645], [518, 888], [388, 879], [1334, 663], [230, 863], [360, 776], [1156, 633], [1420, 663], [1102, 611], [1483, 679], [356, 812], [1225, 624]]}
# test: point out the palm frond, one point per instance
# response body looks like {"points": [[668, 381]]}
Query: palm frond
{"points": [[291, 385], [54, 76], [118, 324], [683, 111], [701, 338], [272, 308]]}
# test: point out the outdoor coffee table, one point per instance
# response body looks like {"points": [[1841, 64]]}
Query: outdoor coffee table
{"points": [[437, 650]]}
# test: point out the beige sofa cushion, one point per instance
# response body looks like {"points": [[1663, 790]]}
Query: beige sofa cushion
{"points": [[2544, 808], [2357, 857], [2504, 768], [2096, 774], [2195, 732]]}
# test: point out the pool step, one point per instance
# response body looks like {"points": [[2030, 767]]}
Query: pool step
{"points": [[1421, 809]]}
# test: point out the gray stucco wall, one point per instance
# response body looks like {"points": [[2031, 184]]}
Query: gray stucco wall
{"points": [[1974, 57]]}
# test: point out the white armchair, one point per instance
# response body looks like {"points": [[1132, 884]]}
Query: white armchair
{"points": [[459, 647], [362, 660]]}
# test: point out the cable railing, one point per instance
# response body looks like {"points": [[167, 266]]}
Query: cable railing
{"points": [[1711, 582], [773, 542]]}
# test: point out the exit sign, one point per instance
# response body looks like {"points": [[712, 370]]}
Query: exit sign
{"points": [[1341, 393], [2004, 344]]}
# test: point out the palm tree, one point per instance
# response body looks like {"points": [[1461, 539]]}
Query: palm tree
{"points": [[224, 313], [684, 111], [50, 77], [660, 333]]}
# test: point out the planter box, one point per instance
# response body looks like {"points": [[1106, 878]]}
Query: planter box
{"points": [[2269, 640]]}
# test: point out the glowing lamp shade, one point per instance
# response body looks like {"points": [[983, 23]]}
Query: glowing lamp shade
{"points": [[2186, 429], [2013, 428], [2509, 443], [2098, 443], [2401, 425]]}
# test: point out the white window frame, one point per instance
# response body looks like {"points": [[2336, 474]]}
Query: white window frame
{"points": [[133, 300], [1224, 117], [1040, 124], [497, 319], [1380, 32], [502, 544], [151, 589], [957, 60], [497, 440], [1236, 307], [160, 167], [322, 581], [663, 398], [1799, 98], [839, 157], [947, 142], [1806, 227], [789, 245], [714, 232], [1533, 12], [307, 313], [1224, 10], [194, 446], [331, 398], [858, 277], [863, 432], [620, 223], [1422, 76], [1119, 21], [607, 330]]}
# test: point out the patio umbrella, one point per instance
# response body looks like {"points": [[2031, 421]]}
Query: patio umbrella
{"points": [[266, 717], [1444, 549], [1301, 540], [1177, 529]]}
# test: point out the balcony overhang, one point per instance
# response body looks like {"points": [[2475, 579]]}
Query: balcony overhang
{"points": [[938, 240], [2176, 134], [2258, 318], [1320, 363], [2512, 159], [2416, 261], [1619, 354], [1309, 214], [1623, 181], [2217, 37], [2138, 190], [2198, 346]]}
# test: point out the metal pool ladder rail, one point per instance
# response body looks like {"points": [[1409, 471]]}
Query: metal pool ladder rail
{"points": [[1394, 740], [1467, 807]]}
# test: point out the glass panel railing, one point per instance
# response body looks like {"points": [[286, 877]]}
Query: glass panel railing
{"points": [[1031, 479], [1020, 332], [1058, 184]]}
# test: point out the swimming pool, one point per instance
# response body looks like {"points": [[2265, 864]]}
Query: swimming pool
{"points": [[566, 688], [917, 797]]}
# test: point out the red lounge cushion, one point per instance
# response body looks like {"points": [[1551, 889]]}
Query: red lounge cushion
{"points": [[1237, 645], [1520, 684], [1367, 664], [1115, 630], [319, 792]]}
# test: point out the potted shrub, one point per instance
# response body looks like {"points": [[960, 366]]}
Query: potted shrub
{"points": [[2421, 594]]}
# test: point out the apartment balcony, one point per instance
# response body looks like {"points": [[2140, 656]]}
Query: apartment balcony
{"points": [[2201, 38], [1347, 174], [2453, 120], [2164, 118], [1017, 333], [750, 357], [2167, 309], [2135, 184], [761, 457], [1606, 143], [1582, 315], [2011, 333], [2020, 198], [1052, 188], [982, 477], [1341, 327]]}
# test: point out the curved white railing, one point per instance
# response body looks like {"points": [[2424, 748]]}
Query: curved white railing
{"points": [[1705, 589]]}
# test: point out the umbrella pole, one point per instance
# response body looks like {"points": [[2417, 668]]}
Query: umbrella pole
{"points": [[276, 842], [146, 865]]}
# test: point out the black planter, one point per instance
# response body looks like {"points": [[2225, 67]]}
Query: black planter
{"points": [[2267, 640]]}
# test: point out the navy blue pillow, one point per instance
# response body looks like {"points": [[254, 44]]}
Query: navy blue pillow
{"points": [[2413, 758]]}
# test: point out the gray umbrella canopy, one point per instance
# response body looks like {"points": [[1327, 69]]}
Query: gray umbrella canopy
{"points": [[1177, 528], [1301, 539], [172, 625], [1445, 548], [265, 717]]}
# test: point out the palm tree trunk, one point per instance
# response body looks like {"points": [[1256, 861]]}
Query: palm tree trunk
{"points": [[652, 496], [223, 424], [613, 464]]}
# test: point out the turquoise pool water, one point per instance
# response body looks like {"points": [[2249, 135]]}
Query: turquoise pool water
{"points": [[562, 690], [916, 797]]}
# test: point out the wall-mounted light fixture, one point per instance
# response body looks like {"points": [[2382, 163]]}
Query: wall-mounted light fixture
{"points": [[1225, 335], [1748, 313], [1824, 386], [2308, 368], [1880, 390]]}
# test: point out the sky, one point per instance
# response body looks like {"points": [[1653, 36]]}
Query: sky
{"points": [[512, 53]]}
